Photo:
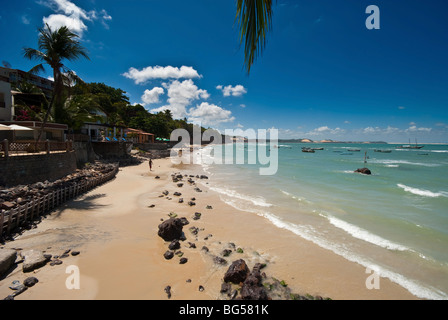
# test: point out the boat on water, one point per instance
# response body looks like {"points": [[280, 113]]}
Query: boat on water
{"points": [[305, 149], [317, 148], [383, 151], [354, 150], [410, 146]]}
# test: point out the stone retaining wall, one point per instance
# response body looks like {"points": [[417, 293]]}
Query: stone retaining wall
{"points": [[15, 170]]}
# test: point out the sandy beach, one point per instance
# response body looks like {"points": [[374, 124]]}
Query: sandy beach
{"points": [[121, 256]]}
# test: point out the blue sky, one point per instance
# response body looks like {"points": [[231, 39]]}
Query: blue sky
{"points": [[323, 74]]}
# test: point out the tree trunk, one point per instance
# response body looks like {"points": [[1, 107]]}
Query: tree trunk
{"points": [[56, 92]]}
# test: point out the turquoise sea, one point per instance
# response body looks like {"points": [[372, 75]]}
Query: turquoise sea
{"points": [[394, 221]]}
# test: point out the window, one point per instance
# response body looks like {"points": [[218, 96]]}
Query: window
{"points": [[2, 100]]}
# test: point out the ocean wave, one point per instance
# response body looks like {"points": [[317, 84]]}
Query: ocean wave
{"points": [[394, 162], [423, 193], [299, 199], [362, 234], [256, 200], [307, 232], [439, 151]]}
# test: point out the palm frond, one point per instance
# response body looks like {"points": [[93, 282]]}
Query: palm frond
{"points": [[37, 69], [255, 21]]}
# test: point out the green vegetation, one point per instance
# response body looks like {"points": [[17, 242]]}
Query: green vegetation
{"points": [[75, 102], [54, 48]]}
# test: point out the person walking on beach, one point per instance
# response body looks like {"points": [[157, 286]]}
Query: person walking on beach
{"points": [[150, 164]]}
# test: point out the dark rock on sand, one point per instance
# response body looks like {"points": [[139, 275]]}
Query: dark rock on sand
{"points": [[197, 216], [183, 260], [192, 245], [171, 229], [31, 281], [168, 291], [253, 288], [237, 272], [174, 245], [168, 255], [184, 221], [226, 252], [191, 203], [219, 260]]}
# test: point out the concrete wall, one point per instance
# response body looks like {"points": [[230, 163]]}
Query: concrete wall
{"points": [[27, 169], [112, 150], [84, 153], [154, 146], [6, 98]]}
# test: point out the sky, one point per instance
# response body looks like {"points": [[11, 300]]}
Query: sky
{"points": [[323, 73]]}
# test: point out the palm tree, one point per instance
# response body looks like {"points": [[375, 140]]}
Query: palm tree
{"points": [[55, 47], [255, 21]]}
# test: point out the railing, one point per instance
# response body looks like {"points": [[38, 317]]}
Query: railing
{"points": [[29, 147], [9, 220]]}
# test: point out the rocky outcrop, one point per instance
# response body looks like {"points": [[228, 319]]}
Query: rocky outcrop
{"points": [[7, 259], [171, 229], [33, 259], [363, 171], [237, 272]]}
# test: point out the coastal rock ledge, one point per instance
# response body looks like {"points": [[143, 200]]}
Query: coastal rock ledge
{"points": [[7, 259]]}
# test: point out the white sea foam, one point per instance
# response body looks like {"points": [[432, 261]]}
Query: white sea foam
{"points": [[423, 193], [362, 234], [295, 197], [439, 151], [394, 162], [256, 200]]}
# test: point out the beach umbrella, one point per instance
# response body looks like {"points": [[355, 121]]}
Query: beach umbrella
{"points": [[19, 128], [15, 127], [4, 128]]}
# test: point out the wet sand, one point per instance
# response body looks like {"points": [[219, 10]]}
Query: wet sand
{"points": [[115, 229]]}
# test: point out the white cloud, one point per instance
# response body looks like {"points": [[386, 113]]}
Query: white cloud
{"points": [[209, 114], [416, 129], [69, 14], [325, 130], [180, 96], [56, 21], [235, 91], [152, 96], [242, 105], [25, 19], [158, 72], [401, 107]]}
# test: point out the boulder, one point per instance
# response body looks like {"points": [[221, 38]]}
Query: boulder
{"points": [[31, 281], [363, 171], [253, 288], [174, 245], [7, 259], [237, 272], [171, 229], [33, 259]]}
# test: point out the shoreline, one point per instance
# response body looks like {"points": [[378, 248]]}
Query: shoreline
{"points": [[121, 255]]}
